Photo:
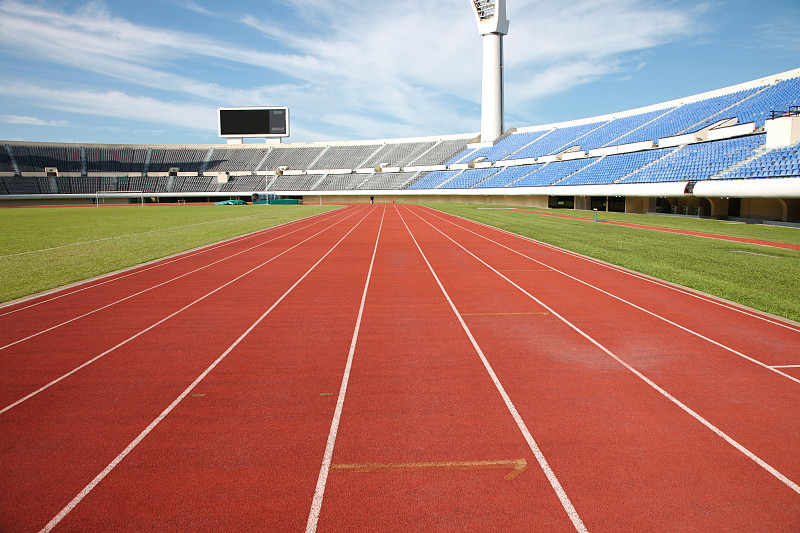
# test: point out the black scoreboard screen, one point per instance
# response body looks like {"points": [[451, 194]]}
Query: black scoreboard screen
{"points": [[254, 122]]}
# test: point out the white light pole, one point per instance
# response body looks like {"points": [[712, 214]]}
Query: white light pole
{"points": [[492, 25]]}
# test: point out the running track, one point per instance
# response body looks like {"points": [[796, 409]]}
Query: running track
{"points": [[394, 368]]}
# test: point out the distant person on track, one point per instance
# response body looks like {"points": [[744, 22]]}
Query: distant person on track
{"points": [[371, 200]]}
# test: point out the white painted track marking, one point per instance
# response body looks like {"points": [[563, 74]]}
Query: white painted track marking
{"points": [[534, 447], [138, 269], [661, 283], [635, 306], [156, 324], [128, 449], [760, 462], [115, 302], [322, 479]]}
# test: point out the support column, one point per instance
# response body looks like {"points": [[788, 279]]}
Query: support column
{"points": [[492, 104]]}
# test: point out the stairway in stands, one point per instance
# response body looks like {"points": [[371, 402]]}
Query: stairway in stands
{"points": [[758, 152]]}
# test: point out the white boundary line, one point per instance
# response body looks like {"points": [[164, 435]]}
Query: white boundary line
{"points": [[107, 470], [750, 455], [87, 284], [319, 491], [551, 477], [142, 332], [651, 313], [146, 290], [761, 315]]}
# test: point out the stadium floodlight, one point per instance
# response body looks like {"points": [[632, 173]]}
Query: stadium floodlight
{"points": [[491, 16], [492, 25]]}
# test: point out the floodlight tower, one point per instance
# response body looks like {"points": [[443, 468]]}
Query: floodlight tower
{"points": [[492, 25]]}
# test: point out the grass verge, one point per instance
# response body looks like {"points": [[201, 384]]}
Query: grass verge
{"points": [[761, 277], [41, 249]]}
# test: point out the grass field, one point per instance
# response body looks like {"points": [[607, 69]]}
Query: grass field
{"points": [[757, 276], [44, 248]]}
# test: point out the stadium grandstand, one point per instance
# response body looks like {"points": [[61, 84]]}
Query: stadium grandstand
{"points": [[733, 152]]}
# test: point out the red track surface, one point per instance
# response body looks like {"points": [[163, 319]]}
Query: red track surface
{"points": [[394, 368]]}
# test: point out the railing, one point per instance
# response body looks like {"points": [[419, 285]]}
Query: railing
{"points": [[794, 111]]}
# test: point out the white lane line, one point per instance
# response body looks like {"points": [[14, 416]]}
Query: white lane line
{"points": [[152, 326], [651, 313], [113, 464], [637, 275], [754, 253], [785, 366], [534, 447], [760, 462], [157, 263], [115, 302], [322, 479]]}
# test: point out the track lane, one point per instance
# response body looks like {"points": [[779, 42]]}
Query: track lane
{"points": [[419, 395], [646, 450], [70, 431]]}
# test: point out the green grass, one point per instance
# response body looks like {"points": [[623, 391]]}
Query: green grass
{"points": [[769, 281], [44, 248]]}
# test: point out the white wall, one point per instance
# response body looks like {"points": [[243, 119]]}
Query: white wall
{"points": [[784, 131]]}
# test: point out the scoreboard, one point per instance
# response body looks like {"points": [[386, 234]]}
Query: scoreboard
{"points": [[238, 122]]}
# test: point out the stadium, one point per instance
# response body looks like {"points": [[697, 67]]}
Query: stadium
{"points": [[731, 153], [586, 325]]}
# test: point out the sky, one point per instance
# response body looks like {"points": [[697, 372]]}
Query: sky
{"points": [[156, 71]]}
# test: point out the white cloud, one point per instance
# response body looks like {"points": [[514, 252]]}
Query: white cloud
{"points": [[31, 121], [780, 36], [93, 40], [191, 5], [347, 68], [566, 44], [425, 61], [112, 104], [555, 31]]}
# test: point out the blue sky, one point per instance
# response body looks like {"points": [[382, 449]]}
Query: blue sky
{"points": [[155, 71]]}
